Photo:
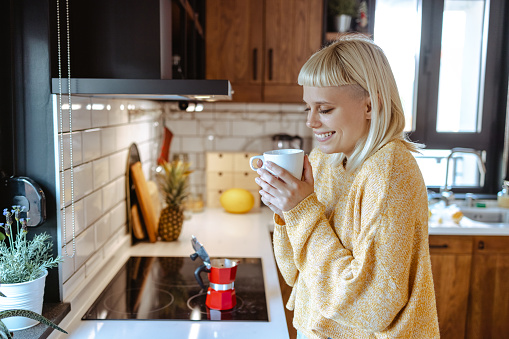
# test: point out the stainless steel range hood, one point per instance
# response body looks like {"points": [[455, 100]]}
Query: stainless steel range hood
{"points": [[152, 89]]}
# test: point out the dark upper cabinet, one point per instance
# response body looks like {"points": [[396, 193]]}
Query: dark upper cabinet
{"points": [[128, 39]]}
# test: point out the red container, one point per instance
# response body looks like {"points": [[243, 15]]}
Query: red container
{"points": [[221, 291]]}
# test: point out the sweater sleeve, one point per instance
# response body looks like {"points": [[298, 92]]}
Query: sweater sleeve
{"points": [[367, 285], [283, 252]]}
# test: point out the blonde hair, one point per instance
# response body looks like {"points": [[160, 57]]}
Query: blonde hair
{"points": [[356, 60]]}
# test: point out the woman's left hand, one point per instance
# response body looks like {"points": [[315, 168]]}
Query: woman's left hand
{"points": [[281, 191]]}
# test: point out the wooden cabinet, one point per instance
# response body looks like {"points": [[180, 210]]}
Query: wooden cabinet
{"points": [[260, 45], [471, 279], [489, 292], [451, 258]]}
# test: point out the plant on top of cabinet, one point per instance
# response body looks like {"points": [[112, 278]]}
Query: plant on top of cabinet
{"points": [[342, 12]]}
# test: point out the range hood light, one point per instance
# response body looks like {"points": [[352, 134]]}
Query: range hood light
{"points": [[191, 107], [149, 89]]}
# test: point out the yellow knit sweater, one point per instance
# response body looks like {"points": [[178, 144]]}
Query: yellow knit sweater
{"points": [[356, 251]]}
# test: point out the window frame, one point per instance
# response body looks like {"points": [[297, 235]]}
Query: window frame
{"points": [[494, 93]]}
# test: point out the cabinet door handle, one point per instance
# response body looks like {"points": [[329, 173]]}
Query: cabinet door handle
{"points": [[480, 245], [255, 63], [271, 52], [439, 246]]}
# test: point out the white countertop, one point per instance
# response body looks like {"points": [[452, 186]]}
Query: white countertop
{"points": [[222, 234]]}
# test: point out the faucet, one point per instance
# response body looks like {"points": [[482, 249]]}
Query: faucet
{"points": [[445, 192]]}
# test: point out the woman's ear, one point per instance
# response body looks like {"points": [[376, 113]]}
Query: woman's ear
{"points": [[368, 108]]}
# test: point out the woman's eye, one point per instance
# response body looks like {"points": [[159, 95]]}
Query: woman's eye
{"points": [[324, 111]]}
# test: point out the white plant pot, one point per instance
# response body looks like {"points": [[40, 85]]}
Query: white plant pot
{"points": [[342, 22], [27, 296]]}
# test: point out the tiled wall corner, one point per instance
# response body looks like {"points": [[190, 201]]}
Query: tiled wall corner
{"points": [[102, 131]]}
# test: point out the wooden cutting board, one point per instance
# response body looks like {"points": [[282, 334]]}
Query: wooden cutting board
{"points": [[138, 231], [144, 201]]}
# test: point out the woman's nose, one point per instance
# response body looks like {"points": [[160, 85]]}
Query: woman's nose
{"points": [[313, 120]]}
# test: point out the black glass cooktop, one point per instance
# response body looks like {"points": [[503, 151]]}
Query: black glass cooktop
{"points": [[150, 288]]}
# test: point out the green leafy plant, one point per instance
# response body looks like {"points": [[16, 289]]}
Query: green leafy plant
{"points": [[338, 7], [4, 331], [21, 259]]}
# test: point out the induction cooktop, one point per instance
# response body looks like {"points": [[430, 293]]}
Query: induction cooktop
{"points": [[165, 288]]}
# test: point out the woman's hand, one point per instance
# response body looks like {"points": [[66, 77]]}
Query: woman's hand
{"points": [[281, 191]]}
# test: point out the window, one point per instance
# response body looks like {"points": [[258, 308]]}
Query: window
{"points": [[451, 94]]}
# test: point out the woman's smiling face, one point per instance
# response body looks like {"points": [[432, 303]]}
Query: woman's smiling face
{"points": [[338, 115]]}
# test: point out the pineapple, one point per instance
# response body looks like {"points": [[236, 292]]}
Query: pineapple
{"points": [[173, 182]]}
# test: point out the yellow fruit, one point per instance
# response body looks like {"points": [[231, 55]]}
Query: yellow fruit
{"points": [[456, 217], [237, 200]]}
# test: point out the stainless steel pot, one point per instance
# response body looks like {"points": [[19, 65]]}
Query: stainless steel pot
{"points": [[285, 141]]}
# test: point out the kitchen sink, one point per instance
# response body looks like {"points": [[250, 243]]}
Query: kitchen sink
{"points": [[491, 217]]}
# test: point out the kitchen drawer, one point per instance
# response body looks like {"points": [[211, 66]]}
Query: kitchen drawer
{"points": [[245, 180], [491, 245], [220, 161], [241, 161], [450, 244], [220, 180]]}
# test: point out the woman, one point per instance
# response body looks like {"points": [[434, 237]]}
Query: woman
{"points": [[351, 237]]}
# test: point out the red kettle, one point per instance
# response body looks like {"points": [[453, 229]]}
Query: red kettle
{"points": [[221, 274]]}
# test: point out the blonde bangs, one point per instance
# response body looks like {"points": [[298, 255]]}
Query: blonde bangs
{"points": [[325, 68]]}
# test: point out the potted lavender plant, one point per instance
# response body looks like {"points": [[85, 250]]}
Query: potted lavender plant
{"points": [[24, 266]]}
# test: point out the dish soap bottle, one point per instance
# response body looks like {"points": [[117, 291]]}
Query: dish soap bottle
{"points": [[503, 195]]}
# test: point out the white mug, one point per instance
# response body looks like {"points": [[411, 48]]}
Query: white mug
{"points": [[290, 159]]}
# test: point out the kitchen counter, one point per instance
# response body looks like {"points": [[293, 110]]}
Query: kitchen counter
{"points": [[223, 235]]}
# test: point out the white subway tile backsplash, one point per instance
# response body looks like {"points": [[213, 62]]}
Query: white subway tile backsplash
{"points": [[73, 283], [99, 118], [261, 107], [102, 230], [109, 196], [118, 217], [81, 118], [91, 140], [117, 239], [93, 264], [214, 128], [85, 246], [101, 172], [293, 108], [124, 136], [118, 164], [229, 107], [76, 149], [101, 139], [93, 207], [117, 115], [79, 221], [281, 126], [196, 144], [108, 140], [247, 128], [83, 181], [67, 265], [184, 127]]}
